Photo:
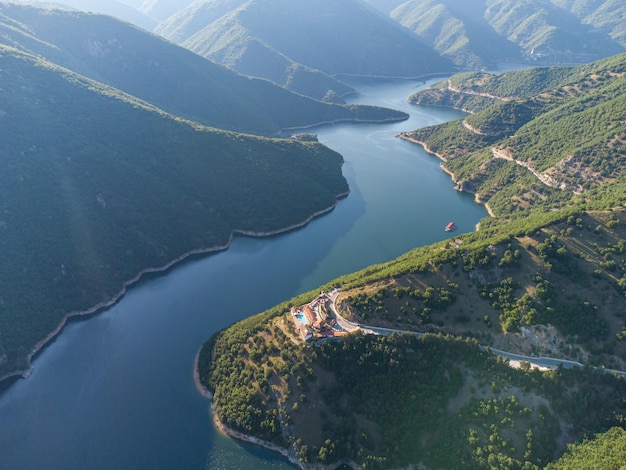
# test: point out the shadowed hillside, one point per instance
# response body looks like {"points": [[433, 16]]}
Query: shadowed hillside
{"points": [[166, 75], [98, 186]]}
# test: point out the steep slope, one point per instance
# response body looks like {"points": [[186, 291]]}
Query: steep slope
{"points": [[544, 277], [538, 153], [286, 34], [457, 30], [189, 20], [441, 401], [480, 32], [608, 16], [97, 186], [166, 75]]}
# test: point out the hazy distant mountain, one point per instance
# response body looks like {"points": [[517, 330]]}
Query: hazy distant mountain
{"points": [[164, 74], [116, 8], [608, 16], [476, 33], [162, 9], [281, 40], [261, 61], [457, 30], [197, 15]]}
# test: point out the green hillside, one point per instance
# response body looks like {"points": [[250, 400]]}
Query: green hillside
{"points": [[457, 30], [606, 451], [558, 146], [96, 186], [543, 277], [166, 75]]}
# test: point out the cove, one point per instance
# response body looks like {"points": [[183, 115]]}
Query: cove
{"points": [[116, 390]]}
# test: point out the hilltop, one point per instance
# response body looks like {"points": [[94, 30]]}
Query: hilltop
{"points": [[544, 276], [558, 142]]}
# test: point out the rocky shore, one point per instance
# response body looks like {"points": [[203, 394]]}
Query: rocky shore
{"points": [[459, 186], [115, 298], [221, 427]]}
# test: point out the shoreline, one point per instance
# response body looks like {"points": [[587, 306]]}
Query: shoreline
{"points": [[225, 430], [458, 187], [342, 121], [99, 307], [231, 433]]}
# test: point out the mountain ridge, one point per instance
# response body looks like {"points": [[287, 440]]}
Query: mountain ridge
{"points": [[146, 66]]}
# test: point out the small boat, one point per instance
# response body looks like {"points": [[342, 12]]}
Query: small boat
{"points": [[451, 226]]}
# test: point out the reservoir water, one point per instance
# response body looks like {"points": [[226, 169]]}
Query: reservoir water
{"points": [[116, 390]]}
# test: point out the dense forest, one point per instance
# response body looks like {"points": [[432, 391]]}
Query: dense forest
{"points": [[167, 76], [549, 147], [543, 277], [119, 156], [110, 186]]}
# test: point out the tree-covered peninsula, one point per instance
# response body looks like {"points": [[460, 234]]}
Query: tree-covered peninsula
{"points": [[97, 187], [122, 153], [544, 277]]}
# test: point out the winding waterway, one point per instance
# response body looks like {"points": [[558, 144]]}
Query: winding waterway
{"points": [[116, 390]]}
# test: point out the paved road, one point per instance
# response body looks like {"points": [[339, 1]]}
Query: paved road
{"points": [[541, 362]]}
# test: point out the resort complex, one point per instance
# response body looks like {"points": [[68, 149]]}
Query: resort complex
{"points": [[315, 319]]}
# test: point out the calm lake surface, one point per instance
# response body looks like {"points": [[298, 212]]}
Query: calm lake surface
{"points": [[116, 390]]}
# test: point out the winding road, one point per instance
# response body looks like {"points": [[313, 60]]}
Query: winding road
{"points": [[515, 360]]}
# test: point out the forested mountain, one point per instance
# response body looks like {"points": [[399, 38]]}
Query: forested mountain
{"points": [[106, 176], [96, 186], [297, 44], [544, 276], [477, 33], [561, 139], [166, 75], [472, 34]]}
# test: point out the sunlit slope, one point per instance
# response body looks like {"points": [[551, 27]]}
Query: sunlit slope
{"points": [[121, 9], [544, 277], [96, 186], [240, 51], [303, 39], [395, 401], [545, 149], [457, 30], [478, 33], [166, 75]]}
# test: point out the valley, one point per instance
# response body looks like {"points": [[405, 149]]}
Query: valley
{"points": [[541, 278], [166, 177], [146, 343]]}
